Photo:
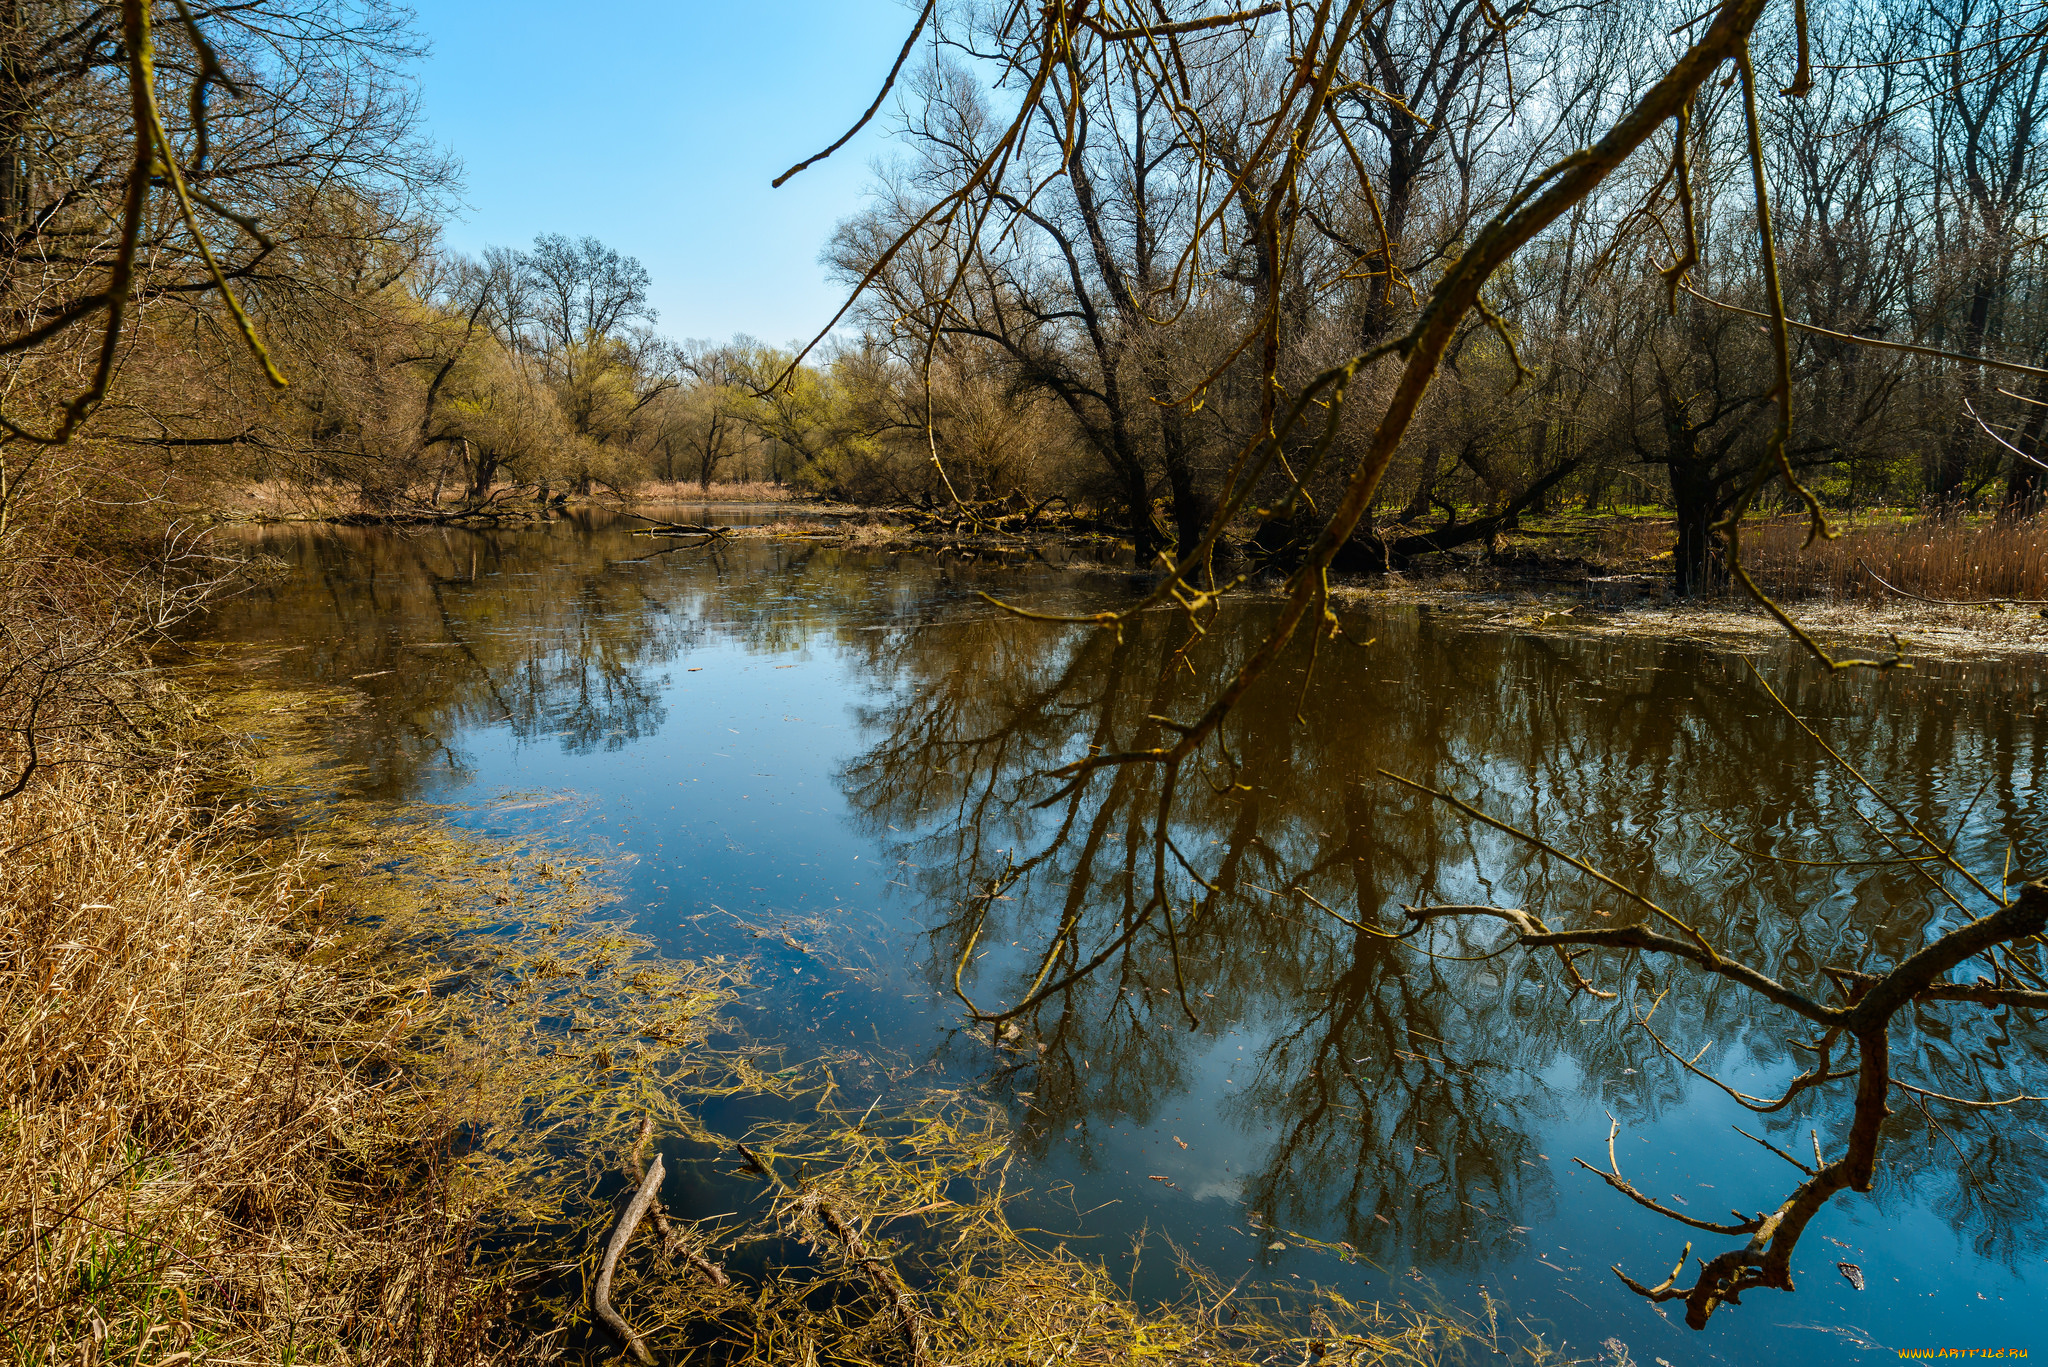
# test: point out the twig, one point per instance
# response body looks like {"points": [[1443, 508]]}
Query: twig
{"points": [[1614, 1179], [1946, 602], [1774, 1149], [601, 1296]]}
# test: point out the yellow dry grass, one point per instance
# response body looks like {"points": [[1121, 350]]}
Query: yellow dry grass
{"points": [[268, 1098], [1953, 557], [732, 491]]}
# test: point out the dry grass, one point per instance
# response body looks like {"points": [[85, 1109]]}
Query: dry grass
{"points": [[268, 1100], [799, 526], [689, 491], [177, 1134], [272, 497], [1955, 557]]}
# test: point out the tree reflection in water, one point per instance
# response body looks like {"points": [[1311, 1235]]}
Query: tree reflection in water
{"points": [[1397, 1083]]}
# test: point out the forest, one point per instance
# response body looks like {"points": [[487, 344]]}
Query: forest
{"points": [[1084, 326]]}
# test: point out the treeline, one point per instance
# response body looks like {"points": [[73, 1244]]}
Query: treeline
{"points": [[394, 372], [1134, 254], [1102, 320]]}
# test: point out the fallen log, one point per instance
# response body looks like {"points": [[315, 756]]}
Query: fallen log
{"points": [[672, 1240], [681, 529]]}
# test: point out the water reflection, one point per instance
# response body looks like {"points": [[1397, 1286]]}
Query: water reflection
{"points": [[1397, 1080], [560, 631], [1413, 1100]]}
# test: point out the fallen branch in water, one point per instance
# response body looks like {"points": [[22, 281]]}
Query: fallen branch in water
{"points": [[601, 1296], [672, 1239], [681, 529], [878, 1270]]}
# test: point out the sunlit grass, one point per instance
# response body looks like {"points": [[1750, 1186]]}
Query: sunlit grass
{"points": [[1953, 557], [736, 491]]}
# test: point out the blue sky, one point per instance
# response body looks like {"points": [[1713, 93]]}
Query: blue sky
{"points": [[657, 128]]}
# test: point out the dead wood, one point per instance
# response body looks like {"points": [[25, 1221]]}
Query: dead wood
{"points": [[622, 1234], [681, 529], [672, 1239]]}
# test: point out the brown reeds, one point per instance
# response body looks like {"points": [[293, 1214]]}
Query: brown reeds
{"points": [[733, 491], [1947, 558]]}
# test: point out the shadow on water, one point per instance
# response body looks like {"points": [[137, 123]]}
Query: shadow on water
{"points": [[835, 761]]}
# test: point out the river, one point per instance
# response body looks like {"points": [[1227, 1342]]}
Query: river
{"points": [[816, 757]]}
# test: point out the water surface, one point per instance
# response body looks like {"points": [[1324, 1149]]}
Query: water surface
{"points": [[832, 760]]}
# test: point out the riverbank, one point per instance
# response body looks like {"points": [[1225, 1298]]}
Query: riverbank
{"points": [[1599, 579], [1726, 621], [1572, 574], [286, 501], [270, 1082], [291, 1074]]}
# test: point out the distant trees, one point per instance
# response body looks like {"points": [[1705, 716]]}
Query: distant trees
{"points": [[1120, 315]]}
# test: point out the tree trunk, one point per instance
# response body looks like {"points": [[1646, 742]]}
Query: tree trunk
{"points": [[1692, 567], [1192, 508], [1144, 535], [1425, 485], [1954, 469], [487, 467], [2023, 479], [1539, 450]]}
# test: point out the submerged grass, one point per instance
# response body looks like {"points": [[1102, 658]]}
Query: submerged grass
{"points": [[366, 1088]]}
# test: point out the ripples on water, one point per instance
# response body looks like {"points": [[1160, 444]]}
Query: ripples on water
{"points": [[836, 750]]}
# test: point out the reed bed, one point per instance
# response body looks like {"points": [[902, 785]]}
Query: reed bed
{"points": [[734, 491], [1946, 558]]}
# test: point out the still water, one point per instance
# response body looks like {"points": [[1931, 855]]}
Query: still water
{"points": [[826, 760]]}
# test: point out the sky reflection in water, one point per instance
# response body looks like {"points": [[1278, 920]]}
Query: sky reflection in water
{"points": [[839, 748]]}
